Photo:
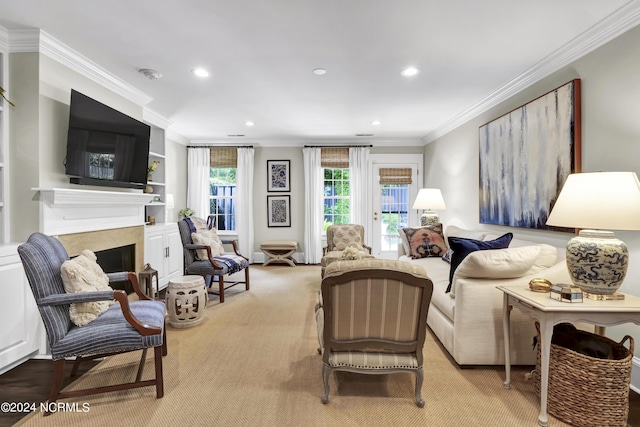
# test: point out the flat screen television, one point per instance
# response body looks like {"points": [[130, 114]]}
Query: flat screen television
{"points": [[104, 146]]}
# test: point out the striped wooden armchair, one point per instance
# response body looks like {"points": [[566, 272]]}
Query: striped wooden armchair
{"points": [[372, 319], [122, 328]]}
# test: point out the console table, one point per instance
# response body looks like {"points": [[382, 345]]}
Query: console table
{"points": [[550, 312]]}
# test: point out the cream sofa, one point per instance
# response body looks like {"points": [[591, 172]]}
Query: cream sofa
{"points": [[468, 320]]}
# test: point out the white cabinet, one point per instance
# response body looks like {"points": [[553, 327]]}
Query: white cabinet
{"points": [[163, 251], [22, 330]]}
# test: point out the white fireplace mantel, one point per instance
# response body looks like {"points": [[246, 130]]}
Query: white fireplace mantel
{"points": [[69, 210]]}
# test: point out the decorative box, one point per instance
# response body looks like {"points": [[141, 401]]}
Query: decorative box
{"points": [[565, 293]]}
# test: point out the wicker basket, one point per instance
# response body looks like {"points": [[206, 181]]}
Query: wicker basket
{"points": [[588, 391]]}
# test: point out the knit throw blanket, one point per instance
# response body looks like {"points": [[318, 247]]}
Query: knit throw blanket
{"points": [[234, 264]]}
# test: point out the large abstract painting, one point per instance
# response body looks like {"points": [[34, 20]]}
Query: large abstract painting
{"points": [[526, 156]]}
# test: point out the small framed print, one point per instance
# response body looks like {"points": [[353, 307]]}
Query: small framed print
{"points": [[279, 211], [278, 175]]}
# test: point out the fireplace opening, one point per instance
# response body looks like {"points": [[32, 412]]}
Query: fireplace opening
{"points": [[118, 259]]}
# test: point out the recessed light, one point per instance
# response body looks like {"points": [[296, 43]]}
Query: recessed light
{"points": [[376, 122], [249, 123], [364, 134], [200, 72], [235, 135], [410, 71], [319, 71]]}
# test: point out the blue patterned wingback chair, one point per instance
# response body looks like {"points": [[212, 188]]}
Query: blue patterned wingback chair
{"points": [[215, 266], [124, 327]]}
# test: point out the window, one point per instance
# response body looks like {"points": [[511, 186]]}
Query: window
{"points": [[336, 196], [335, 164], [222, 188]]}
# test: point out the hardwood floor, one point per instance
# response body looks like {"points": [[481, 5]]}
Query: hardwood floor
{"points": [[31, 383]]}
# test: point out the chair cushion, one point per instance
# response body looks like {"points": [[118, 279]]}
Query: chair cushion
{"points": [[422, 242], [83, 274], [229, 264], [373, 360], [110, 332], [207, 238], [345, 236]]}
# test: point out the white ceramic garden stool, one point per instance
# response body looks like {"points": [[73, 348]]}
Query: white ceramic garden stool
{"points": [[186, 301]]}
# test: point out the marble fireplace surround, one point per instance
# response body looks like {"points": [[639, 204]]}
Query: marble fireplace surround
{"points": [[94, 219]]}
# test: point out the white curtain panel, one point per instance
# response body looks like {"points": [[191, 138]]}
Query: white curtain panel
{"points": [[359, 184], [244, 201], [313, 205], [198, 181]]}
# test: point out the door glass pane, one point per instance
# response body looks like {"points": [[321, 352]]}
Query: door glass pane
{"points": [[395, 214]]}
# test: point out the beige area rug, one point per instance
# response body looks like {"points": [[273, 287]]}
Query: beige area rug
{"points": [[253, 362]]}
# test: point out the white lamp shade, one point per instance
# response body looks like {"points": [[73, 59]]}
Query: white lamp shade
{"points": [[598, 200], [429, 198]]}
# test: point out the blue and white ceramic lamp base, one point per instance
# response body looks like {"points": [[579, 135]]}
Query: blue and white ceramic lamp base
{"points": [[597, 262]]}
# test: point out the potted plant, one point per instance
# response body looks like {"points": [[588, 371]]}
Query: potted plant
{"points": [[2, 94], [186, 212], [152, 168]]}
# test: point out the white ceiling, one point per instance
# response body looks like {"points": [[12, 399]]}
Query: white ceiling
{"points": [[261, 54]]}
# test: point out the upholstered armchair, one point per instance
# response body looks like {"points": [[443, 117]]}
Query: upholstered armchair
{"points": [[342, 236], [372, 319], [124, 327], [207, 258]]}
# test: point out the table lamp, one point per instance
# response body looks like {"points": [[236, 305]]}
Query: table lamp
{"points": [[429, 199], [597, 261]]}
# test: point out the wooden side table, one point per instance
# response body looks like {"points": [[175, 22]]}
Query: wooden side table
{"points": [[549, 313]]}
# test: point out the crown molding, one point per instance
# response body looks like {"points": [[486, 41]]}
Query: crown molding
{"points": [[176, 137], [21, 41], [4, 40], [617, 23], [155, 119]]}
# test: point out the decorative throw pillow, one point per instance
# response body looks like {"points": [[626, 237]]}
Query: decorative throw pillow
{"points": [[462, 247], [208, 238], [83, 274], [347, 236], [447, 256], [499, 263], [425, 241]]}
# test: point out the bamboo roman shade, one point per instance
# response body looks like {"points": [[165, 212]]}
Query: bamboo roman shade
{"points": [[334, 157], [395, 176], [223, 157]]}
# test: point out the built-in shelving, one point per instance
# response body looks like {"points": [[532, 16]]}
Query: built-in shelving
{"points": [[157, 208]]}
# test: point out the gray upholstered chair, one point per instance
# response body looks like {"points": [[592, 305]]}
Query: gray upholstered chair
{"points": [[215, 266], [372, 319], [124, 327]]}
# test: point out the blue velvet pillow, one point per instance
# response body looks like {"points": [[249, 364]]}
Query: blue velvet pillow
{"points": [[462, 247]]}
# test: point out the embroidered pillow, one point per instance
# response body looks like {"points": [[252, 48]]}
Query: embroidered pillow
{"points": [[424, 241], [207, 238], [83, 274], [462, 247]]}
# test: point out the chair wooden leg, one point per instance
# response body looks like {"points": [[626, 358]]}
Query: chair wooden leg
{"points": [[326, 371], [76, 364], [159, 379], [419, 380], [58, 373], [246, 277], [164, 341], [141, 365], [221, 286]]}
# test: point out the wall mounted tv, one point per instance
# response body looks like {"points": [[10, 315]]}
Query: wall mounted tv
{"points": [[104, 146]]}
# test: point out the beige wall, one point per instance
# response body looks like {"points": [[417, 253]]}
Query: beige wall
{"points": [[610, 142], [176, 177]]}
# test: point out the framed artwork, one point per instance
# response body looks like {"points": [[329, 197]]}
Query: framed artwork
{"points": [[278, 175], [279, 211], [526, 156]]}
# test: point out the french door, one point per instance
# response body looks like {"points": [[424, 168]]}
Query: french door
{"points": [[392, 201]]}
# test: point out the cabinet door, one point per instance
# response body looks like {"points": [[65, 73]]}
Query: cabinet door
{"points": [[154, 253], [175, 254], [19, 316]]}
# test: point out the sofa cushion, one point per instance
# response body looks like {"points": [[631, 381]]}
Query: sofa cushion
{"points": [[423, 242], [462, 247], [498, 263], [453, 231]]}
